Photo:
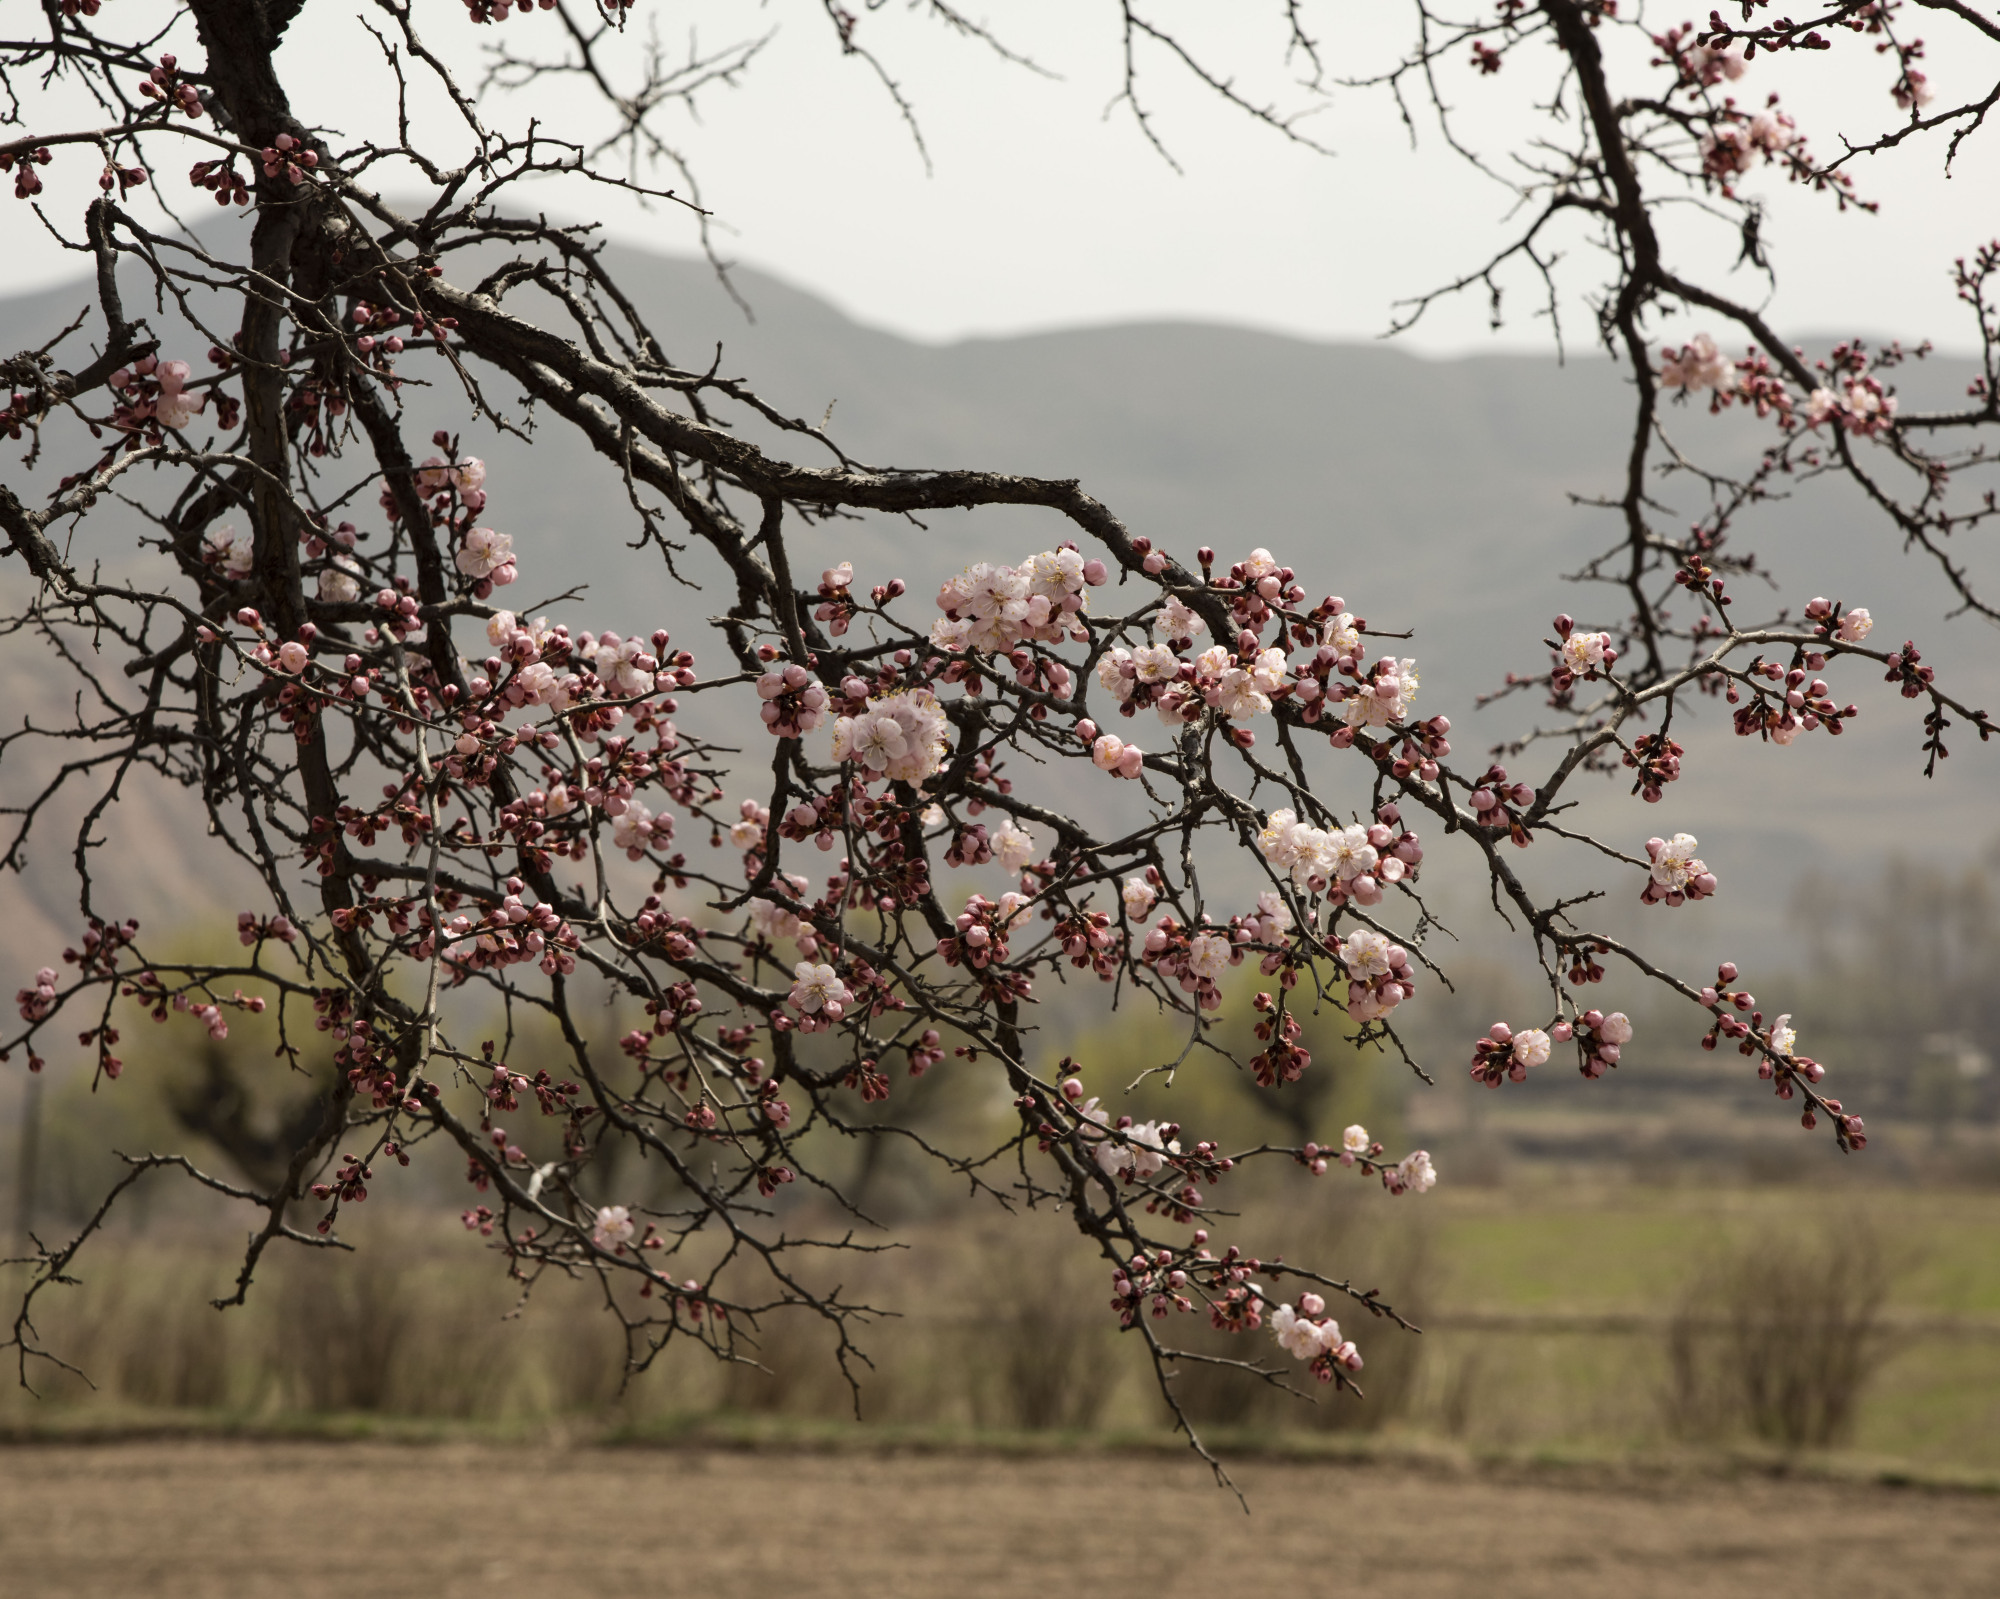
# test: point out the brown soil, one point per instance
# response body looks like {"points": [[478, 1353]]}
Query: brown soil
{"points": [[189, 1520]]}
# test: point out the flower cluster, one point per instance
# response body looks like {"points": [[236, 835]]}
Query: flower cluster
{"points": [[1678, 874], [1283, 1059], [623, 665], [1804, 707], [983, 927], [1413, 1174], [27, 181], [1137, 1156], [1845, 626], [794, 701], [1504, 1053], [1308, 1333], [1695, 366], [775, 918], [1383, 695], [509, 933], [228, 553], [1495, 803], [818, 995], [1599, 1039], [1110, 753], [488, 557], [1580, 656], [635, 829], [1242, 685], [287, 156], [1194, 957], [898, 736], [1731, 148], [1860, 406], [990, 608], [1378, 974], [40, 1001], [154, 391], [1657, 761], [165, 83], [1340, 862]]}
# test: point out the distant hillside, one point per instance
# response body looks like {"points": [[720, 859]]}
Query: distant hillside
{"points": [[1435, 496]]}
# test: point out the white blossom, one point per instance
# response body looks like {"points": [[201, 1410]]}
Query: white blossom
{"points": [[1014, 846], [1676, 865], [1341, 635], [1349, 853], [614, 1227], [1155, 663], [1208, 954], [1531, 1047], [1365, 954], [1297, 1335], [1176, 621], [1117, 671], [632, 828], [816, 987]]}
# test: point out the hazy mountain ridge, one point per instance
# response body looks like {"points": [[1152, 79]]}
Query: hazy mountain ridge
{"points": [[1436, 496]]}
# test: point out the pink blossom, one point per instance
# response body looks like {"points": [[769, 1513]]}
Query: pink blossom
{"points": [[1112, 754], [485, 552], [817, 990], [901, 736], [1700, 365], [236, 552]]}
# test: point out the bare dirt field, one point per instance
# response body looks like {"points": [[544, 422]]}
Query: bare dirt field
{"points": [[188, 1520]]}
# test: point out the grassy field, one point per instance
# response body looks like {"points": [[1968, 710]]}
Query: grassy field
{"points": [[1551, 1314]]}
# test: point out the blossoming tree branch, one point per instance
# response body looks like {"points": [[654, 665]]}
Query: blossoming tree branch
{"points": [[440, 794]]}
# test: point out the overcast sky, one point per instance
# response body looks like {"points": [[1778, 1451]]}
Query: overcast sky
{"points": [[1043, 208]]}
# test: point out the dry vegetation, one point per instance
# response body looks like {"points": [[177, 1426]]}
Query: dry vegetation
{"points": [[1587, 1323]]}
